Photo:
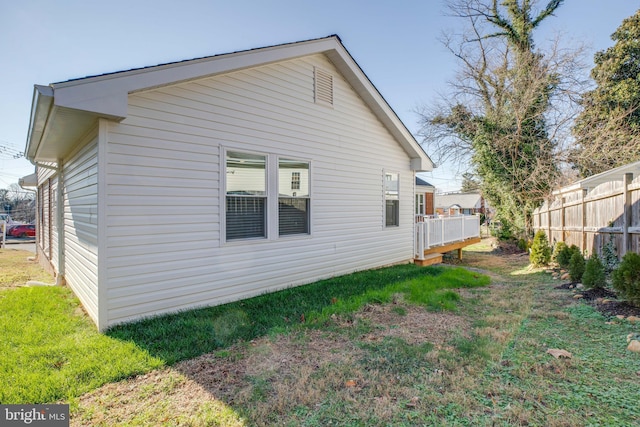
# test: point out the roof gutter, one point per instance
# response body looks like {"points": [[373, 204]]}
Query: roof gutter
{"points": [[41, 108]]}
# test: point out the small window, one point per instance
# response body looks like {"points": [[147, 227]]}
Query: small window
{"points": [[323, 87], [392, 199], [295, 180], [293, 197], [419, 204], [246, 201]]}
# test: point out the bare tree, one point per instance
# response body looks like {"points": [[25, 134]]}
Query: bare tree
{"points": [[508, 105]]}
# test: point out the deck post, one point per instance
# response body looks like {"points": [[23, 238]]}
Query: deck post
{"points": [[420, 233]]}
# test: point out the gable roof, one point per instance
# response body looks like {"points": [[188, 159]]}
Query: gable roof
{"points": [[462, 200], [63, 112], [422, 182]]}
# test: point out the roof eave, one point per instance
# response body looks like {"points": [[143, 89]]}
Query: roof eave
{"points": [[40, 109]]}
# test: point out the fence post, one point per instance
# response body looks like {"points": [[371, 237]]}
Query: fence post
{"points": [[583, 235], [549, 219], [628, 177], [562, 219]]}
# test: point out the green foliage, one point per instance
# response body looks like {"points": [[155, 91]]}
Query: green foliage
{"points": [[507, 137], [540, 250], [610, 256], [564, 255], [594, 273], [576, 266], [557, 248], [523, 245], [608, 129], [626, 278]]}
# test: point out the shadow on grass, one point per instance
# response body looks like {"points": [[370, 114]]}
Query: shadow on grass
{"points": [[188, 334]]}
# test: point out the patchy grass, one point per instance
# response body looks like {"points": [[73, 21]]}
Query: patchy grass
{"points": [[191, 333], [52, 352], [16, 269], [395, 363], [392, 358]]}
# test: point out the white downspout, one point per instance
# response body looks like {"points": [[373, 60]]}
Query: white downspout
{"points": [[60, 280]]}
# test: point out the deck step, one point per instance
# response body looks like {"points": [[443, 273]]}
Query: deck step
{"points": [[429, 259]]}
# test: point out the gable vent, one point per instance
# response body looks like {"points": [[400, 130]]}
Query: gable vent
{"points": [[323, 87]]}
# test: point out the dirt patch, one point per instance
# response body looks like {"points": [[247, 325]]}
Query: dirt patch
{"points": [[274, 374], [604, 300]]}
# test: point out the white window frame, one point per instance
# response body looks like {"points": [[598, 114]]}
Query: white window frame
{"points": [[388, 197], [223, 192], [308, 197], [420, 204], [272, 161]]}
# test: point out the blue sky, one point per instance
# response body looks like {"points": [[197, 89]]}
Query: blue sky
{"points": [[394, 42]]}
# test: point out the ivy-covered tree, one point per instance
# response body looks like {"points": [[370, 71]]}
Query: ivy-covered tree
{"points": [[497, 116], [608, 129]]}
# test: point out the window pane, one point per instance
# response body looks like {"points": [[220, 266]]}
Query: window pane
{"points": [[392, 200], [246, 190], [293, 214], [246, 174], [293, 178], [391, 185], [392, 212], [246, 217]]}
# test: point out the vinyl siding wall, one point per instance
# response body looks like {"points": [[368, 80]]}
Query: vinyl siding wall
{"points": [[165, 193], [80, 195], [46, 227]]}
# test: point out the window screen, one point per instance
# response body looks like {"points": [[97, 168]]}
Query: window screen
{"points": [[246, 189], [392, 200], [293, 197]]}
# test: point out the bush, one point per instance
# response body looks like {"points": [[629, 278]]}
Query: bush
{"points": [[523, 245], [557, 249], [626, 278], [576, 266], [540, 250], [610, 256], [564, 255], [594, 273]]}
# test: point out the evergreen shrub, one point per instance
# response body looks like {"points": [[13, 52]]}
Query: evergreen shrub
{"points": [[576, 266], [594, 273], [626, 278], [540, 250]]}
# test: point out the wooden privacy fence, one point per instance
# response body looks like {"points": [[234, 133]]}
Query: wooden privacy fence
{"points": [[591, 217]]}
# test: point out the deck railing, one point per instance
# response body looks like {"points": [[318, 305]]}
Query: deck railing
{"points": [[443, 230]]}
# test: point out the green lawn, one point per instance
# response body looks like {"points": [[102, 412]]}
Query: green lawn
{"points": [[51, 351]]}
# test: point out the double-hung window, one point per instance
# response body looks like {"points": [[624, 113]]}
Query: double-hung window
{"points": [[261, 203], [246, 200], [392, 199], [420, 204], [293, 197]]}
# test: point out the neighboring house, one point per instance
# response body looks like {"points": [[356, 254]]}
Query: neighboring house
{"points": [[424, 197], [461, 204], [211, 180]]}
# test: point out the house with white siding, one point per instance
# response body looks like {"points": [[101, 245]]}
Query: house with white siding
{"points": [[215, 179]]}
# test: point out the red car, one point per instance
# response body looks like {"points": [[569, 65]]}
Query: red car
{"points": [[23, 230]]}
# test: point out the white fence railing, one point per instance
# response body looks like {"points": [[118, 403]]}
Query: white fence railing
{"points": [[440, 231]]}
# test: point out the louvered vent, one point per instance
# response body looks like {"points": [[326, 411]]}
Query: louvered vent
{"points": [[323, 87]]}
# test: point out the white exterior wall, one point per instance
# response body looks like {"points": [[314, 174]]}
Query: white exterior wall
{"points": [[164, 194], [80, 194], [46, 233]]}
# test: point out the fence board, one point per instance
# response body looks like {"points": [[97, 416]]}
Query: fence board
{"points": [[590, 218]]}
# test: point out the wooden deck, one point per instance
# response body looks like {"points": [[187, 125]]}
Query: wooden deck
{"points": [[434, 254]]}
